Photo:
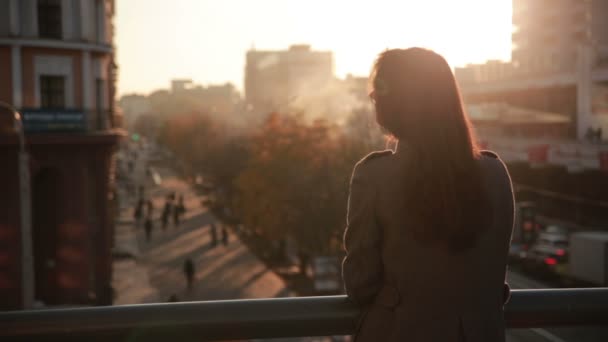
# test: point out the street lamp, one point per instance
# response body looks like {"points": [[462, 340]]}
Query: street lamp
{"points": [[27, 269]]}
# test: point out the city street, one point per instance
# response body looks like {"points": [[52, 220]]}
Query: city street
{"points": [[156, 272], [223, 272]]}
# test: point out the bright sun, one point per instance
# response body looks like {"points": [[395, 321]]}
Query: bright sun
{"points": [[207, 40]]}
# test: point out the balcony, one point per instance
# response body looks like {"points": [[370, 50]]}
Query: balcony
{"points": [[271, 318], [50, 121]]}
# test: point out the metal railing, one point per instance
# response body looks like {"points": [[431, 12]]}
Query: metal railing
{"points": [[269, 318]]}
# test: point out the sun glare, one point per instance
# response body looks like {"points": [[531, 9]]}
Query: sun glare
{"points": [[210, 39]]}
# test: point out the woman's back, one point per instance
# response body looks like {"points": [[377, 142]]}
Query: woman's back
{"points": [[428, 226], [426, 292]]}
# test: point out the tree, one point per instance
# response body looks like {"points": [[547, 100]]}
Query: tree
{"points": [[295, 184]]}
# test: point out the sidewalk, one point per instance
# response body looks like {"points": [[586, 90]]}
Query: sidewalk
{"points": [[131, 281]]}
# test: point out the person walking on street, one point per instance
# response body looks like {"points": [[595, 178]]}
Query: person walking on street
{"points": [[148, 227], [166, 213], [224, 236], [189, 272]]}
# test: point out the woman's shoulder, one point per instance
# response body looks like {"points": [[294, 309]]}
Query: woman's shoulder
{"points": [[370, 161], [375, 156], [491, 163], [490, 157], [490, 154]]}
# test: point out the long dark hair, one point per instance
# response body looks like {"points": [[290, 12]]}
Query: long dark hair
{"points": [[417, 101]]}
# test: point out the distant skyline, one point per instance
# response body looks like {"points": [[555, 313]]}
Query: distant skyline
{"points": [[206, 41]]}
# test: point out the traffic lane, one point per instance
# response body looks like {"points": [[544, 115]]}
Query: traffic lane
{"points": [[518, 280]]}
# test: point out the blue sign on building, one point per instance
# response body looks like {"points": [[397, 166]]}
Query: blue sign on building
{"points": [[53, 120]]}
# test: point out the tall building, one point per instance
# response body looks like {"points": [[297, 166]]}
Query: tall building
{"points": [[274, 79], [57, 68], [547, 34], [559, 64]]}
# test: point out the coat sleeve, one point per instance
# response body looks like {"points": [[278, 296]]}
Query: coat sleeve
{"points": [[362, 268]]}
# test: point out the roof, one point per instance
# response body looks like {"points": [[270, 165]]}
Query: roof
{"points": [[510, 115]]}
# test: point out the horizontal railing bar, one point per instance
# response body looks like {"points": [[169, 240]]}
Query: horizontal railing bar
{"points": [[268, 318]]}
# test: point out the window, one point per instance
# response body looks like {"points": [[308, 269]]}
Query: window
{"points": [[49, 19], [52, 91], [99, 102]]}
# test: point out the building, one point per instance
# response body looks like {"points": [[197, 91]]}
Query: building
{"points": [[57, 68], [559, 64], [547, 34], [274, 79], [179, 86], [491, 71]]}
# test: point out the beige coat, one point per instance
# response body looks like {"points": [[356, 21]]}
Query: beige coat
{"points": [[414, 292]]}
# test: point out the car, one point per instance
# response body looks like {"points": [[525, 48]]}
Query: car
{"points": [[550, 252]]}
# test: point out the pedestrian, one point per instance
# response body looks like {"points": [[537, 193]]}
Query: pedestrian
{"points": [[213, 235], [224, 236], [166, 213], [150, 207], [189, 272], [148, 227]]}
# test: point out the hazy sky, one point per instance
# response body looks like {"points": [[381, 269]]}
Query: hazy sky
{"points": [[158, 40]]}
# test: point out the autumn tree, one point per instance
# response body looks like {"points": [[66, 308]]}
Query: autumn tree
{"points": [[295, 184]]}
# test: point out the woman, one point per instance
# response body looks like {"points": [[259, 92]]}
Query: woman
{"points": [[429, 225]]}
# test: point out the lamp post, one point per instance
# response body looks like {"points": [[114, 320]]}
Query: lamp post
{"points": [[27, 268]]}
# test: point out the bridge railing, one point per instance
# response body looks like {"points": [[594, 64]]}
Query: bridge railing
{"points": [[269, 318]]}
